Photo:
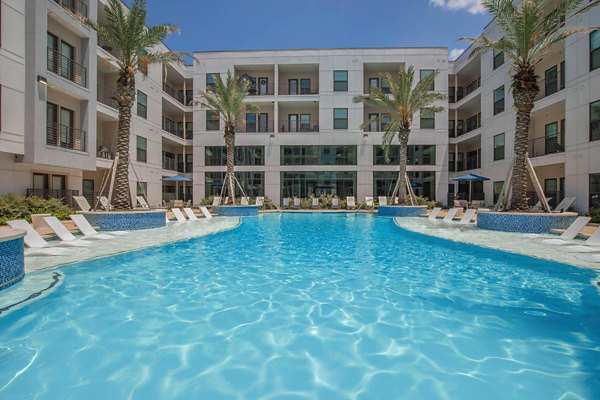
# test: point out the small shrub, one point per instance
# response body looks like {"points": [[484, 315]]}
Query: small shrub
{"points": [[21, 207], [594, 213], [424, 201]]}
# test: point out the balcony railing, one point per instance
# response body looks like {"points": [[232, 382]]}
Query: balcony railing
{"points": [[65, 137], [473, 86], [288, 126], [66, 68], [368, 87], [173, 127], [375, 127], [77, 7], [262, 90], [108, 99], [547, 145], [285, 89], [549, 87], [171, 164], [105, 152], [174, 93], [256, 127], [65, 195]]}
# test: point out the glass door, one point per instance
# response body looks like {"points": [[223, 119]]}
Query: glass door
{"points": [[52, 124], [304, 122], [66, 127], [304, 86], [88, 190], [551, 85], [263, 122], [293, 122], [263, 86], [373, 126], [293, 86], [40, 181], [551, 135], [67, 53], [250, 122], [373, 83]]}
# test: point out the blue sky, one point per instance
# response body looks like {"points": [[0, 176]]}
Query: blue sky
{"points": [[276, 24]]}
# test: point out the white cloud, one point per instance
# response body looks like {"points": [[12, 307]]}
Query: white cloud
{"points": [[472, 6], [455, 53]]}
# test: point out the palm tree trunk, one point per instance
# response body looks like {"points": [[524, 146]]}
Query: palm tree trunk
{"points": [[525, 88], [403, 136], [125, 100], [230, 147]]}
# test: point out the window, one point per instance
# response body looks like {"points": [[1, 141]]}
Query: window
{"points": [[423, 183], [498, 58], [474, 159], [594, 190], [551, 81], [252, 182], [595, 120], [340, 81], [142, 189], [594, 50], [142, 104], [305, 86], [427, 119], [425, 74], [304, 184], [250, 122], [498, 190], [499, 100], [210, 81], [417, 155], [212, 121], [244, 155], [142, 148], [385, 86], [499, 147], [318, 155], [340, 118]]}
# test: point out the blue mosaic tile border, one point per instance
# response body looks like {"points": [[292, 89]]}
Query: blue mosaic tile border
{"points": [[524, 223], [401, 211], [237, 211], [12, 262], [127, 221]]}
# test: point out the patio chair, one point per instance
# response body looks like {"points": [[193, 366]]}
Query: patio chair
{"points": [[205, 212], [178, 214], [178, 203], [315, 202], [382, 200], [190, 214], [260, 201], [104, 203], [87, 229], [335, 203], [564, 204], [538, 205], [34, 240], [434, 213], [63, 233], [570, 233], [216, 201], [350, 203], [457, 203], [467, 216], [370, 203], [82, 203], [286, 202], [475, 204], [590, 245], [245, 201], [296, 204], [451, 213], [142, 202]]}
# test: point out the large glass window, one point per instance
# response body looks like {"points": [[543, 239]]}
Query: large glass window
{"points": [[305, 184], [427, 119], [499, 147], [252, 182], [595, 120], [498, 58], [318, 155], [594, 190], [594, 50], [426, 73], [244, 155], [141, 149], [340, 118], [212, 121], [499, 100], [340, 81], [142, 104], [210, 81], [417, 155], [422, 183]]}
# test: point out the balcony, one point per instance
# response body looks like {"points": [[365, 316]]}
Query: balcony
{"points": [[66, 68], [177, 129], [547, 145], [287, 89], [178, 94], [65, 137], [77, 7], [549, 87], [291, 126], [256, 126], [65, 195], [171, 164], [108, 99], [105, 152]]}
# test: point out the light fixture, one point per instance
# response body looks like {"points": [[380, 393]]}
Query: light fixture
{"points": [[365, 135], [42, 80]]}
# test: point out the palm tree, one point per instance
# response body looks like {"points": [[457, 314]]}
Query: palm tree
{"points": [[226, 99], [135, 47], [529, 34], [401, 106]]}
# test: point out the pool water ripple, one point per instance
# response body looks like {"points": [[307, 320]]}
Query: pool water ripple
{"points": [[309, 307]]}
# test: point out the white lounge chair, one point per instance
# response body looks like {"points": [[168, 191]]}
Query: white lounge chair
{"points": [[87, 229], [142, 202], [434, 213], [82, 203], [286, 202], [335, 203], [190, 214], [382, 200], [449, 217], [370, 203], [178, 214], [245, 201], [350, 203], [467, 216], [226, 201], [538, 205], [564, 204], [260, 201], [205, 212], [590, 245], [63, 233], [297, 203], [569, 234], [105, 204], [216, 201], [35, 241], [315, 202]]}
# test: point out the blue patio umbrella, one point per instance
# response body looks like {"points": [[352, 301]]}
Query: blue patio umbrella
{"points": [[177, 178], [470, 178]]}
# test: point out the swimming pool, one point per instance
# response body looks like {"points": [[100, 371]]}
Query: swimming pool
{"points": [[311, 306]]}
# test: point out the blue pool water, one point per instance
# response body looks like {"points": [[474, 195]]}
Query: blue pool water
{"points": [[309, 307]]}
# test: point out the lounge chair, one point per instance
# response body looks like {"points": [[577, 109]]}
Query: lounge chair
{"points": [[571, 232], [63, 233], [396, 201], [476, 204], [82, 203], [178, 214], [87, 229], [590, 245], [190, 214], [216, 201], [226, 200], [538, 205], [564, 204], [286, 202], [297, 203], [35, 241], [260, 201], [451, 213], [142, 202], [205, 212], [434, 213], [104, 203], [350, 203], [245, 201], [315, 202], [457, 204], [467, 216], [370, 203], [335, 203], [382, 200]]}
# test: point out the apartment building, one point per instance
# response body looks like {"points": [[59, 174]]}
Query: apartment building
{"points": [[307, 138], [58, 110], [564, 145]]}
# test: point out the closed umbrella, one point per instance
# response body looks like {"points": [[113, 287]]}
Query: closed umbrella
{"points": [[470, 178]]}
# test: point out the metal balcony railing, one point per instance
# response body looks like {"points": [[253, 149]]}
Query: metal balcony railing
{"points": [[285, 89], [173, 127], [67, 68], [65, 137], [262, 90], [289, 126], [104, 151], [65, 195], [367, 89], [375, 127], [174, 93], [77, 7], [255, 127], [549, 87], [108, 99], [547, 145], [171, 164]]}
